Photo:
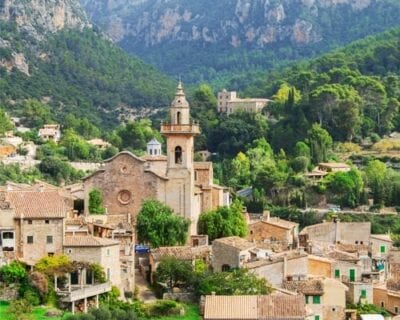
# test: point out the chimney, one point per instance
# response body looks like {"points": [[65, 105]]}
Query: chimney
{"points": [[266, 215]]}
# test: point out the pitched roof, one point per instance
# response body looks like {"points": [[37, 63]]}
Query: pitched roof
{"points": [[342, 256], [235, 242], [88, 241], [281, 307], [181, 253], [306, 287], [231, 307], [270, 307], [38, 204], [285, 224], [382, 237]]}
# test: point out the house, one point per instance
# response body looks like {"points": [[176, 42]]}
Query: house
{"points": [[90, 249], [231, 252], [272, 307], [387, 296], [333, 167], [39, 222], [326, 297], [176, 179], [335, 232], [99, 143], [50, 132], [277, 268], [275, 231], [228, 102], [381, 244]]}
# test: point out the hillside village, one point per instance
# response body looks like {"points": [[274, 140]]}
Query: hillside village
{"points": [[92, 239]]}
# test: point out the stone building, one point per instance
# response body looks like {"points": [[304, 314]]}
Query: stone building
{"points": [[50, 132], [231, 252], [228, 102], [325, 297], [274, 230], [175, 179], [387, 296], [104, 252]]}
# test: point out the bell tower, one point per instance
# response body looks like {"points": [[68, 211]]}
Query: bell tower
{"points": [[180, 134]]}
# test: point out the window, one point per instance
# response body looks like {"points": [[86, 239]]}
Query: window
{"points": [[356, 242], [307, 297], [151, 152], [382, 304], [178, 118], [316, 317], [383, 249], [49, 239], [361, 242], [225, 268], [8, 235], [337, 273], [69, 251], [195, 176], [363, 293], [47, 221], [178, 155], [352, 275], [396, 309], [29, 221], [29, 239], [316, 299], [50, 254]]}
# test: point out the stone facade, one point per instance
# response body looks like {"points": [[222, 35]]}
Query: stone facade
{"points": [[175, 179], [39, 238], [384, 298], [360, 292], [228, 102]]}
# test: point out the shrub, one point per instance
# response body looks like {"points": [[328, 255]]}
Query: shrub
{"points": [[18, 309], [96, 202], [164, 308], [32, 297], [13, 272]]}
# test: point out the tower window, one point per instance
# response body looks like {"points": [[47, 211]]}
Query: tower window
{"points": [[178, 155], [178, 118]]}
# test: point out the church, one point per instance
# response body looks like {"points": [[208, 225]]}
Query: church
{"points": [[174, 179]]}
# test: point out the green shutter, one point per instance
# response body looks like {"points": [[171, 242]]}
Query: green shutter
{"points": [[337, 273], [383, 249], [316, 299], [363, 293], [352, 275], [316, 318]]}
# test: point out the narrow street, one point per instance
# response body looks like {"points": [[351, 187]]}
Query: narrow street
{"points": [[145, 294]]}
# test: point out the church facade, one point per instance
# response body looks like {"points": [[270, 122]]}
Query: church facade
{"points": [[174, 179]]}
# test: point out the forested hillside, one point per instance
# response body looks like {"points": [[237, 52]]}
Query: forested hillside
{"points": [[74, 69], [218, 41]]}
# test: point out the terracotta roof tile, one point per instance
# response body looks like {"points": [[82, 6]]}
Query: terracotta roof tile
{"points": [[306, 287], [270, 307], [37, 204], [182, 253], [88, 241], [231, 307], [236, 242], [280, 222]]}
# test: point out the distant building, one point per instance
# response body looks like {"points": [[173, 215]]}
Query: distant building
{"points": [[228, 102], [99, 143], [50, 132]]}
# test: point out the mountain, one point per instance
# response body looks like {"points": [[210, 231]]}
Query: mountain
{"points": [[203, 40], [50, 52]]}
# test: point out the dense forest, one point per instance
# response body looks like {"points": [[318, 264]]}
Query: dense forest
{"points": [[78, 72]]}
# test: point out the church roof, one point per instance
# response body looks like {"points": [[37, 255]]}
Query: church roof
{"points": [[154, 142]]}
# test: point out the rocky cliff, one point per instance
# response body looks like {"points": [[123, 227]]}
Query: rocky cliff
{"points": [[38, 17], [285, 25]]}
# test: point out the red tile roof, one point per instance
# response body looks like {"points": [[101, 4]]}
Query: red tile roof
{"points": [[37, 204], [88, 241]]}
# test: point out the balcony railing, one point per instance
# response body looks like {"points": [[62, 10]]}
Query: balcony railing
{"points": [[180, 128], [85, 292]]}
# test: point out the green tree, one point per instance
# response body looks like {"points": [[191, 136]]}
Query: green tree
{"points": [[96, 205], [173, 272], [320, 143], [375, 173], [223, 222], [76, 148], [35, 113], [159, 226], [239, 175], [14, 272], [236, 282], [347, 187], [5, 122]]}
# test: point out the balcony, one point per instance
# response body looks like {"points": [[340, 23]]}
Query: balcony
{"points": [[80, 293], [167, 128]]}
